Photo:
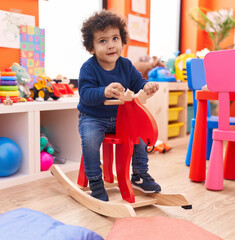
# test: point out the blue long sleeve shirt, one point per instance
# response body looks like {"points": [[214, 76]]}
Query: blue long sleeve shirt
{"points": [[93, 80]]}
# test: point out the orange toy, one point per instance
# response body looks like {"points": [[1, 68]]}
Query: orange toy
{"points": [[160, 147]]}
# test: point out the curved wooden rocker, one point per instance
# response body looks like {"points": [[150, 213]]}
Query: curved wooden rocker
{"points": [[134, 121]]}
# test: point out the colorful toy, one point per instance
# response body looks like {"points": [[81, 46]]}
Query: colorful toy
{"points": [[47, 147], [161, 74], [8, 86], [7, 101], [170, 64], [9, 93], [46, 161], [180, 65], [160, 147], [23, 78], [145, 65], [10, 157], [64, 80], [44, 88], [129, 129], [8, 83]]}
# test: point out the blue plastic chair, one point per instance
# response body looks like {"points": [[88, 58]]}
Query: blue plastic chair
{"points": [[196, 80]]}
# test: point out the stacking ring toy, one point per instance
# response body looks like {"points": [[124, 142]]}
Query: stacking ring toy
{"points": [[8, 73], [8, 78], [8, 83], [9, 88], [10, 93]]}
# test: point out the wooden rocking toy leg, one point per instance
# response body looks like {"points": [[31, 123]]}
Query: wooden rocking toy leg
{"points": [[214, 179], [123, 158], [82, 179], [108, 162], [229, 161], [117, 210]]}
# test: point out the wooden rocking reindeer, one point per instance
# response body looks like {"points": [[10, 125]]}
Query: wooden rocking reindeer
{"points": [[134, 121]]}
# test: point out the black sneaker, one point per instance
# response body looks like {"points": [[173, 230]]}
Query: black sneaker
{"points": [[97, 190], [145, 183]]}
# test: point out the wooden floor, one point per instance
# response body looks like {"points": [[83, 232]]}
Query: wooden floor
{"points": [[213, 211]]}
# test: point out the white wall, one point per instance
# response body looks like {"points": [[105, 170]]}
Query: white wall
{"points": [[164, 28], [62, 21]]}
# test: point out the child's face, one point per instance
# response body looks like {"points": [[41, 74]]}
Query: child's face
{"points": [[107, 47]]}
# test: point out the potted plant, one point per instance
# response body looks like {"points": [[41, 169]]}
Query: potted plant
{"points": [[217, 24]]}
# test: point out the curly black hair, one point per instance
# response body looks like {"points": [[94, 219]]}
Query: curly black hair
{"points": [[99, 21]]}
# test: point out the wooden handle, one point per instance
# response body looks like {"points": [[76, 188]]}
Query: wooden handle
{"points": [[113, 102], [128, 96]]}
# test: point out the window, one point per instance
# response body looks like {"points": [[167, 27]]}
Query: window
{"points": [[62, 21]]}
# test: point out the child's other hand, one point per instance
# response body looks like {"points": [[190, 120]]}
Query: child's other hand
{"points": [[113, 90], [151, 87]]}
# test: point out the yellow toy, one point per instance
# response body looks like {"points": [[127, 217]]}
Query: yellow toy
{"points": [[180, 65], [43, 89]]}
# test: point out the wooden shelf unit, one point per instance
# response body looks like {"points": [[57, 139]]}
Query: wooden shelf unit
{"points": [[158, 105], [21, 122]]}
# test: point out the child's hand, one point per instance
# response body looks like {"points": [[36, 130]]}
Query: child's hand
{"points": [[151, 87], [113, 90]]}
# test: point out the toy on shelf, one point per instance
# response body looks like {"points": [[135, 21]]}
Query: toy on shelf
{"points": [[8, 86], [7, 101], [48, 151], [145, 64], [129, 129], [180, 65], [46, 161], [45, 88], [23, 78], [170, 63], [161, 74], [10, 157], [63, 80]]}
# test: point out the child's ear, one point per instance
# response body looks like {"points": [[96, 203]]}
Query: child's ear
{"points": [[92, 52]]}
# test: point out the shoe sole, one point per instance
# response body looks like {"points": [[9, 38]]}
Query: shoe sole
{"points": [[144, 191]]}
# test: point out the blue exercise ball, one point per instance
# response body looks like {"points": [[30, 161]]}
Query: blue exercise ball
{"points": [[10, 157]]}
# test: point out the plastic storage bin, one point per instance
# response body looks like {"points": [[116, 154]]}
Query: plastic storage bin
{"points": [[190, 97], [173, 113], [174, 98], [174, 129]]}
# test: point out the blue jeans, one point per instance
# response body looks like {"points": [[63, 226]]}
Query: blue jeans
{"points": [[92, 131]]}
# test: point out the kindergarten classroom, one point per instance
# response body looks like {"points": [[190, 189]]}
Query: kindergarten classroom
{"points": [[43, 193]]}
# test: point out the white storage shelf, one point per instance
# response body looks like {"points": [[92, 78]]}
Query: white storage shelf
{"points": [[21, 122]]}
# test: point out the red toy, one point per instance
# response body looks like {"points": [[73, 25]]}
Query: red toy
{"points": [[45, 88], [134, 121]]}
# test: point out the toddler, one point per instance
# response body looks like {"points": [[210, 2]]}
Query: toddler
{"points": [[103, 76]]}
